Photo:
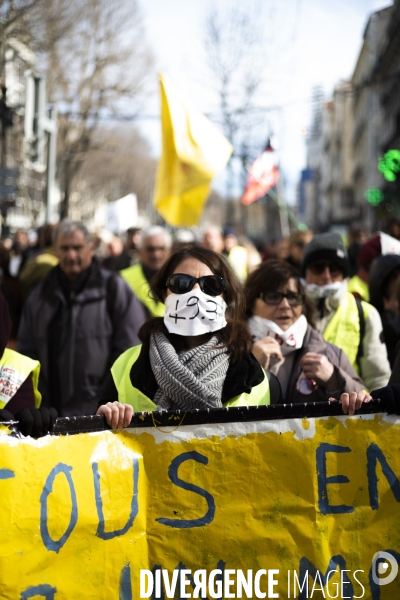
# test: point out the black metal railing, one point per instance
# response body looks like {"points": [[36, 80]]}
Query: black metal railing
{"points": [[74, 425]]}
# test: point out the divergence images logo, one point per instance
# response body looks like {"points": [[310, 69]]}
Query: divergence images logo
{"points": [[383, 567]]}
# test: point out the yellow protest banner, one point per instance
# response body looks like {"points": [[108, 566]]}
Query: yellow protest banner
{"points": [[300, 503], [193, 153]]}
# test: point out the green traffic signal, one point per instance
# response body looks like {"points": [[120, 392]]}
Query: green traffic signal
{"points": [[374, 196], [389, 165]]}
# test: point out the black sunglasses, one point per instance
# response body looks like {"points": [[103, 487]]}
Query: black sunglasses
{"points": [[319, 267], [180, 283], [276, 298]]}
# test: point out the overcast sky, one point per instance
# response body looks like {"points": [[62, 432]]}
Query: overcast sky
{"points": [[320, 42]]}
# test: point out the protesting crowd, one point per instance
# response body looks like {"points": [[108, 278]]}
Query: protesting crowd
{"points": [[162, 322]]}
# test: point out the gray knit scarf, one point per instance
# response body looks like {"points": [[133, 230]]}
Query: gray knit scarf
{"points": [[191, 379]]}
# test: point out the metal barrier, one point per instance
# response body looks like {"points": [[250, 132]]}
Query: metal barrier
{"points": [[73, 425]]}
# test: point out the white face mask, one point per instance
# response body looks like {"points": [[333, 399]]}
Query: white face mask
{"points": [[194, 313], [289, 340], [331, 290]]}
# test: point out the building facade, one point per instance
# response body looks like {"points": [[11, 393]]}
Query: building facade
{"points": [[353, 131]]}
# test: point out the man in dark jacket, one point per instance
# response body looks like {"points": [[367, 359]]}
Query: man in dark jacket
{"points": [[76, 323]]}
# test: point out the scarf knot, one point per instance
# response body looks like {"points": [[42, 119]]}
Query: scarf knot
{"points": [[191, 379]]}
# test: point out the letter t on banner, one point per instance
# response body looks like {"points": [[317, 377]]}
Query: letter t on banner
{"points": [[193, 153]]}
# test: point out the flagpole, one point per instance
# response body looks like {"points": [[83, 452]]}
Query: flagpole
{"points": [[285, 229]]}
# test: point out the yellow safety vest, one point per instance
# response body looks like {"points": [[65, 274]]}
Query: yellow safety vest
{"points": [[358, 286], [137, 281], [15, 368], [127, 394], [238, 260], [343, 329]]}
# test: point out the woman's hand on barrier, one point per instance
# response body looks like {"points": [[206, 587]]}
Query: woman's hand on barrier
{"points": [[117, 415], [317, 367], [353, 401], [264, 349]]}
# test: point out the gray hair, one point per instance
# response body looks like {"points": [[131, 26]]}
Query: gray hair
{"points": [[67, 227], [155, 230]]}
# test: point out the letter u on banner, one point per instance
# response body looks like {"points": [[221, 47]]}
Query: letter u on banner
{"points": [[101, 532]]}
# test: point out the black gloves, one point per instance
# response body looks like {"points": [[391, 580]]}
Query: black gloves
{"points": [[36, 422], [390, 396], [6, 416]]}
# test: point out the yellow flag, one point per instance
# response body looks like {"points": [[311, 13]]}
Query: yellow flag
{"points": [[193, 152]]}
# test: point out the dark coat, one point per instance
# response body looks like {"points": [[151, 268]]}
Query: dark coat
{"points": [[349, 381], [381, 270], [78, 336]]}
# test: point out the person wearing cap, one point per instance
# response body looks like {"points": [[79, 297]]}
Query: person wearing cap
{"points": [[353, 325]]}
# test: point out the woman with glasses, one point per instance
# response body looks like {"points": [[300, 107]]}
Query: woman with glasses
{"points": [[191, 358], [308, 368]]}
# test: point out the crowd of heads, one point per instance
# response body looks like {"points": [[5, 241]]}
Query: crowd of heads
{"points": [[285, 260]]}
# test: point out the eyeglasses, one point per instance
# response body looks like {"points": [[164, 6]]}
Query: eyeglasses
{"points": [[276, 298], [180, 283], [319, 267]]}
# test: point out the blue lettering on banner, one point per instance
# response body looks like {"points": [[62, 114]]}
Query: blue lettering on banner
{"points": [[45, 590], [125, 586], [323, 481], [6, 474], [109, 535], [375, 454], [173, 475], [56, 545]]}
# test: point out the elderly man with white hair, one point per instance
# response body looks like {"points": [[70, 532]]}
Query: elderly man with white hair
{"points": [[77, 322], [153, 251]]}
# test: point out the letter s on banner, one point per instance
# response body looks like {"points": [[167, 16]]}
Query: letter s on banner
{"points": [[173, 475]]}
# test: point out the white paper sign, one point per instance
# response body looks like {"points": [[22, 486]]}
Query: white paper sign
{"points": [[389, 244], [194, 313]]}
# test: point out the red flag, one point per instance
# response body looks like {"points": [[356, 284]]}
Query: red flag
{"points": [[262, 176]]}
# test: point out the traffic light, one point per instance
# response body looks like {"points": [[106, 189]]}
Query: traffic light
{"points": [[374, 196], [389, 165]]}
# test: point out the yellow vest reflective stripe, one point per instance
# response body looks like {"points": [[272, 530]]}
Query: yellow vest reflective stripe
{"points": [[358, 286], [238, 260], [15, 368], [127, 394], [137, 281], [343, 329]]}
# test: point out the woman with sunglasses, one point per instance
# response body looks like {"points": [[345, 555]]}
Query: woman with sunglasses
{"points": [[191, 358], [308, 368]]}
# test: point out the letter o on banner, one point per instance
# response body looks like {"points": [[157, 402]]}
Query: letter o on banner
{"points": [[51, 544]]}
